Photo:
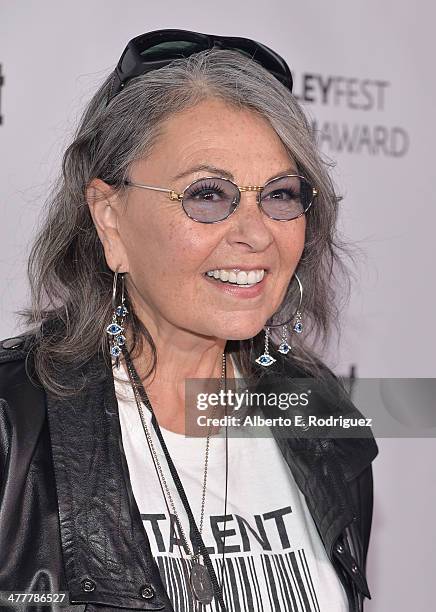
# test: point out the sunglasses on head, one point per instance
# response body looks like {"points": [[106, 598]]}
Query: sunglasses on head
{"points": [[156, 49]]}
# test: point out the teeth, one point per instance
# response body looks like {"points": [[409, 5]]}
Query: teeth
{"points": [[252, 277], [238, 278]]}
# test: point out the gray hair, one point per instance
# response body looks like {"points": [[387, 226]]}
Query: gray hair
{"points": [[69, 278]]}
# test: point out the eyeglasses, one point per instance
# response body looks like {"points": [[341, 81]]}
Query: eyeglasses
{"points": [[156, 49], [213, 199]]}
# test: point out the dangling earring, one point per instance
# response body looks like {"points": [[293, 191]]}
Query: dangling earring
{"points": [[265, 359], [298, 325], [115, 329], [284, 347]]}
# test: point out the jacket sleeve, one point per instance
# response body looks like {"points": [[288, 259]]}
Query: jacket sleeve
{"points": [[363, 499], [11, 364]]}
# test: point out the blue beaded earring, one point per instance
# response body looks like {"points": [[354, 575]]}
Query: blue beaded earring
{"points": [[116, 328], [298, 325], [266, 359], [284, 347]]}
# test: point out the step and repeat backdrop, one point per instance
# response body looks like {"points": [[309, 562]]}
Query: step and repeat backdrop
{"points": [[363, 72]]}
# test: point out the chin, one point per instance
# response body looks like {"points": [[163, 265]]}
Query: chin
{"points": [[233, 331]]}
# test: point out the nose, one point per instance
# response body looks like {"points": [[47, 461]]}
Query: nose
{"points": [[249, 225]]}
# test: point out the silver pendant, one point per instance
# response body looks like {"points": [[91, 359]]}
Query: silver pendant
{"points": [[201, 583]]}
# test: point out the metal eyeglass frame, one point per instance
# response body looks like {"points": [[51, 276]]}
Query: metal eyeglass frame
{"points": [[175, 196]]}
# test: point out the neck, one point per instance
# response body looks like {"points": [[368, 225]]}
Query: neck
{"points": [[178, 358]]}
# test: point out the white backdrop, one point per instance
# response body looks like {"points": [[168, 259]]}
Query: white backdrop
{"points": [[364, 72]]}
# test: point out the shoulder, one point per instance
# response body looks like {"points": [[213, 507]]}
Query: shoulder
{"points": [[15, 348], [287, 372], [22, 406], [22, 398], [16, 371], [330, 398]]}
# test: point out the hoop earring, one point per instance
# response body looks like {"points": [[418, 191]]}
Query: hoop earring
{"points": [[115, 329], [266, 359]]}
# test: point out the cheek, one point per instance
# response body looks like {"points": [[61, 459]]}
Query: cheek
{"points": [[291, 241], [172, 253]]}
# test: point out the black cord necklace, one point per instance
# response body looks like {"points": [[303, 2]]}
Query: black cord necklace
{"points": [[203, 580]]}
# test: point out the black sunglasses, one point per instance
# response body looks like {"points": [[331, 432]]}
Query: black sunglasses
{"points": [[156, 49]]}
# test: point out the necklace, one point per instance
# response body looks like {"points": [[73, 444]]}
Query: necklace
{"points": [[202, 577]]}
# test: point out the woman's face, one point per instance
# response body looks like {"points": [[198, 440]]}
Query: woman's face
{"points": [[167, 254]]}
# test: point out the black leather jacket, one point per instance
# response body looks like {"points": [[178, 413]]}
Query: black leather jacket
{"points": [[68, 517]]}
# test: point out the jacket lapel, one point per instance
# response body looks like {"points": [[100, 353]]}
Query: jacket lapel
{"points": [[321, 467], [106, 550]]}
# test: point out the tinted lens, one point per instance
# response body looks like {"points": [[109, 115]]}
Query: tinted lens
{"points": [[210, 199], [171, 49], [286, 197]]}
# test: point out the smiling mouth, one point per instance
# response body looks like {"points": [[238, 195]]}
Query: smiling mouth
{"points": [[241, 278]]}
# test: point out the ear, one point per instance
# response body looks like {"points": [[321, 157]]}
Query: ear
{"points": [[104, 206]]}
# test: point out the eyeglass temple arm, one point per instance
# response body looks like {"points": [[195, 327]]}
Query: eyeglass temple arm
{"points": [[172, 194]]}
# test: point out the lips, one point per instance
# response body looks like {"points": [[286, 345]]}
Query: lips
{"points": [[239, 291], [239, 278]]}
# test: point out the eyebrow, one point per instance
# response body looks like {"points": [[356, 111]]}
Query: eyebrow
{"points": [[224, 173]]}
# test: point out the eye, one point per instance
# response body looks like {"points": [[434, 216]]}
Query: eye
{"points": [[283, 189], [282, 194], [207, 191]]}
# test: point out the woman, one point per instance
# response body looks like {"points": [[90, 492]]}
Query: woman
{"points": [[156, 264]]}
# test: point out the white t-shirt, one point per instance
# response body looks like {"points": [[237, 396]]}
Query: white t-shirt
{"points": [[274, 557]]}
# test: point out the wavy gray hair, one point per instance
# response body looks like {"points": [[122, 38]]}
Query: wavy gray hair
{"points": [[69, 278]]}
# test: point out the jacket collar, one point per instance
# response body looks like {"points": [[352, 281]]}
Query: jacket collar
{"points": [[102, 535]]}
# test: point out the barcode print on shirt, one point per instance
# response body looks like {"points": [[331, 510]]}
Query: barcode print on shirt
{"points": [[276, 583]]}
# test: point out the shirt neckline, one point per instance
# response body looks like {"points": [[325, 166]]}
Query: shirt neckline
{"points": [[124, 392]]}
